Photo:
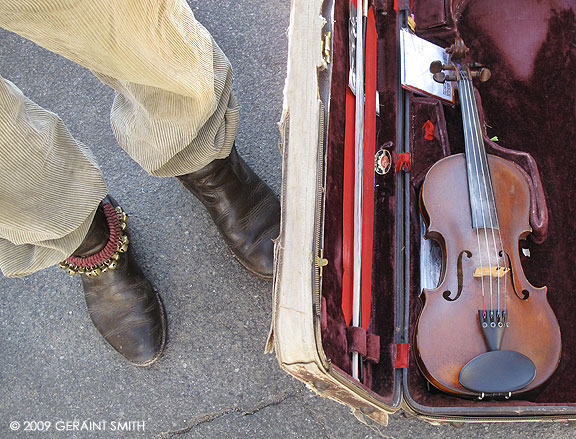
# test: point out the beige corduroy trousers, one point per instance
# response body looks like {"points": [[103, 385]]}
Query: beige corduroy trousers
{"points": [[173, 113]]}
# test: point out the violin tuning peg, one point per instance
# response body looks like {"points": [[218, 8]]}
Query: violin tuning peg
{"points": [[440, 77], [436, 67], [483, 74]]}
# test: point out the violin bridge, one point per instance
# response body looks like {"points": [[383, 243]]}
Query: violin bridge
{"points": [[490, 271]]}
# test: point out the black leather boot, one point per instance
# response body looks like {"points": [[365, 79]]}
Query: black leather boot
{"points": [[243, 207], [122, 303]]}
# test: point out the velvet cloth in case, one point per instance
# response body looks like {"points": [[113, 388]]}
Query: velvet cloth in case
{"points": [[529, 104]]}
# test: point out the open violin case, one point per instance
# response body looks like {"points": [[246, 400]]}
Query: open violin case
{"points": [[528, 113]]}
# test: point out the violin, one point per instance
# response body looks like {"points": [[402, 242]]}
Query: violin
{"points": [[485, 331]]}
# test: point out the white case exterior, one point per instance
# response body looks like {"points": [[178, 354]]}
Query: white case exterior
{"points": [[295, 330]]}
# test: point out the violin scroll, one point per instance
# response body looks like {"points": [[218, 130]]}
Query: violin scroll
{"points": [[458, 49]]}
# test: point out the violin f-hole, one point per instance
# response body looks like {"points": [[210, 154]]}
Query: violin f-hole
{"points": [[525, 293], [446, 294]]}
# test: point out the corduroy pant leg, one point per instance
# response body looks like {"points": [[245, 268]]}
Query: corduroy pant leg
{"points": [[173, 113], [50, 186]]}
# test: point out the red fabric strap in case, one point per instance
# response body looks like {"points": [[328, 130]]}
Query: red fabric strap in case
{"points": [[356, 338], [368, 179], [402, 355], [373, 348], [348, 209], [367, 345]]}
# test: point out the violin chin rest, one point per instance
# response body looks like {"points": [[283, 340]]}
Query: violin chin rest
{"points": [[498, 372]]}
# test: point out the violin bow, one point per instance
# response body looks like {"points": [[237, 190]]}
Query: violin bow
{"points": [[361, 14], [359, 150]]}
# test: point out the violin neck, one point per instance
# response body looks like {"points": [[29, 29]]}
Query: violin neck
{"points": [[482, 204]]}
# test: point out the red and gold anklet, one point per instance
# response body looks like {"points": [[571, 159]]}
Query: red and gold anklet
{"points": [[107, 258]]}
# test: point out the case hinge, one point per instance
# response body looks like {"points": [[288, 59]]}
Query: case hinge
{"points": [[327, 46]]}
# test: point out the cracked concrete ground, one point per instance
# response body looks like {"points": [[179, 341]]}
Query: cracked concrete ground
{"points": [[214, 380]]}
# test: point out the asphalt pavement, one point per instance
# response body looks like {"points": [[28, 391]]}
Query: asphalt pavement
{"points": [[214, 380]]}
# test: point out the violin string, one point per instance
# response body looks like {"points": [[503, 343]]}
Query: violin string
{"points": [[476, 191], [475, 127], [490, 192], [466, 111]]}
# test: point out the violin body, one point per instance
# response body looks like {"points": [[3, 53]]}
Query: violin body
{"points": [[449, 332]]}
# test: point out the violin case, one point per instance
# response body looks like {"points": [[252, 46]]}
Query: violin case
{"points": [[529, 105]]}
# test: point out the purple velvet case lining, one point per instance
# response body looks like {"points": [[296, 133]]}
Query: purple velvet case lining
{"points": [[529, 103]]}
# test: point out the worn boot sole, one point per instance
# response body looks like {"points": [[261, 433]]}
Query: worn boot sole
{"points": [[164, 325]]}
